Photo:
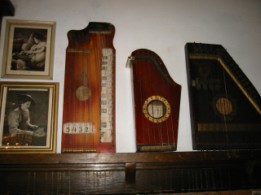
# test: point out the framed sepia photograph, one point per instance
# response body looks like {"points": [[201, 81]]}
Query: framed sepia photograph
{"points": [[28, 117], [28, 50]]}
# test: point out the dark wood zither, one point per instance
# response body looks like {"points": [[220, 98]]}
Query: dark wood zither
{"points": [[225, 107]]}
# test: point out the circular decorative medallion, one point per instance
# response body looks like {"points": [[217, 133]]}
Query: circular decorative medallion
{"points": [[156, 109]]}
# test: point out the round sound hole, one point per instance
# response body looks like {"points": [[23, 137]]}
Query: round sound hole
{"points": [[83, 93], [156, 109], [224, 106]]}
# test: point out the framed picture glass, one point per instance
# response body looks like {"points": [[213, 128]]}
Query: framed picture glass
{"points": [[28, 49], [28, 117]]}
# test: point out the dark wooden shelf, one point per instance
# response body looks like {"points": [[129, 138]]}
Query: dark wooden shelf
{"points": [[90, 173]]}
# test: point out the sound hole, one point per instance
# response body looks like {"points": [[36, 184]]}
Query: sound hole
{"points": [[224, 106], [156, 109], [83, 93]]}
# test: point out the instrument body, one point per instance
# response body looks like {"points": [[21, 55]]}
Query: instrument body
{"points": [[89, 90], [156, 99], [225, 107]]}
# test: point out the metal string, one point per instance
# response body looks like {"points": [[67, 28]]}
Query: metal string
{"points": [[224, 103]]}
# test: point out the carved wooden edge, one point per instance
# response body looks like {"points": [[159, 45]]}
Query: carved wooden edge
{"points": [[173, 172], [195, 158]]}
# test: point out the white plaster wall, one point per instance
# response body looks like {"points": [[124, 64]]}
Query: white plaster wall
{"points": [[163, 26]]}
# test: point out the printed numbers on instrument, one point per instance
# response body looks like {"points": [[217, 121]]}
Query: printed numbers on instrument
{"points": [[78, 128]]}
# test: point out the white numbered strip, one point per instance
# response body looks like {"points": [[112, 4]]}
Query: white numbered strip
{"points": [[78, 128], [106, 95]]}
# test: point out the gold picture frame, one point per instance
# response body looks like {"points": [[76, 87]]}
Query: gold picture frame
{"points": [[28, 49], [28, 120]]}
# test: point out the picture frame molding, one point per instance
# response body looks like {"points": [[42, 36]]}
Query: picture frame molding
{"points": [[51, 141], [11, 24]]}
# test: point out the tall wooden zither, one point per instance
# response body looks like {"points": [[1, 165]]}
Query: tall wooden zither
{"points": [[156, 103], [89, 90]]}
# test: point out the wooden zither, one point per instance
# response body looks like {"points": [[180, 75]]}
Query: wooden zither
{"points": [[225, 107], [156, 103], [89, 90]]}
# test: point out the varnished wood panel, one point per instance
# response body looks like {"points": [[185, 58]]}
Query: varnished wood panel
{"points": [[225, 106], [235, 192], [156, 103], [89, 87], [177, 172]]}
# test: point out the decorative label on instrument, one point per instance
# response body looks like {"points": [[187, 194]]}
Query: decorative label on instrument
{"points": [[106, 95], [78, 128]]}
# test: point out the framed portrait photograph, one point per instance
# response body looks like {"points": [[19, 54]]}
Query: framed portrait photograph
{"points": [[28, 117], [28, 50]]}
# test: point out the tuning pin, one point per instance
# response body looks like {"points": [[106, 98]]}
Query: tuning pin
{"points": [[129, 61]]}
